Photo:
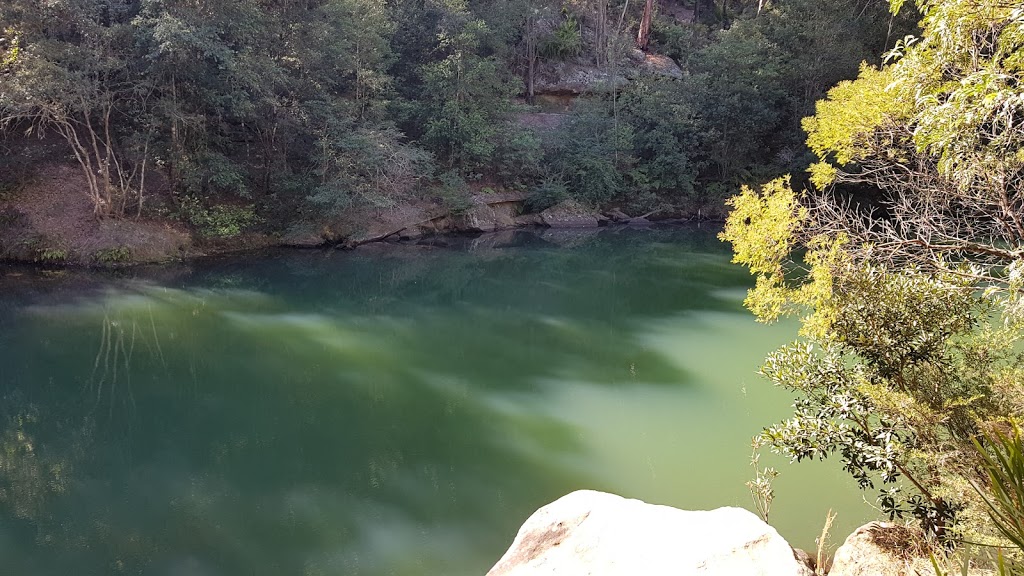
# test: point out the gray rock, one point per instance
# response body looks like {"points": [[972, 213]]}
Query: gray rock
{"points": [[498, 197], [658, 65], [569, 214], [576, 78], [617, 215], [526, 220], [487, 218], [803, 557], [595, 534]]}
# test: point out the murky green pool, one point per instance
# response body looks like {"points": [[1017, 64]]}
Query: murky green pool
{"points": [[397, 410]]}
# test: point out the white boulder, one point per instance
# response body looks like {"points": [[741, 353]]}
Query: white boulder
{"points": [[590, 533]]}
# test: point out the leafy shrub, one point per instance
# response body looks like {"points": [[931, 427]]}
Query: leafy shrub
{"points": [[52, 255], [897, 372], [453, 192], [517, 155], [546, 195], [209, 171], [593, 153], [677, 41], [565, 41], [367, 167], [116, 255], [1002, 461], [467, 100], [219, 221]]}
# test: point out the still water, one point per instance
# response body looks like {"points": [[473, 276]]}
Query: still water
{"points": [[396, 410]]}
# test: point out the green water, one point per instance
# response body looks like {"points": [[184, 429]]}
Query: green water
{"points": [[397, 410]]}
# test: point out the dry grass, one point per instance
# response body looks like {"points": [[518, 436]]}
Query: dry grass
{"points": [[901, 542]]}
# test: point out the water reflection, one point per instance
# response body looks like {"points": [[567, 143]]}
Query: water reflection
{"points": [[395, 411]]}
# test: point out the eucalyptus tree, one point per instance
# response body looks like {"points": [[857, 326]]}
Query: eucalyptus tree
{"points": [[464, 109], [225, 97], [643, 36], [251, 89], [529, 31]]}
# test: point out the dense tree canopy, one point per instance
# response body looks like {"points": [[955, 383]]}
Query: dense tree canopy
{"points": [[296, 109]]}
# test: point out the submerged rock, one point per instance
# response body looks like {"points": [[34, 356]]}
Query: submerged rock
{"points": [[596, 534]]}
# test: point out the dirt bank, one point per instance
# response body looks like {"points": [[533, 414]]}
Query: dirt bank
{"points": [[50, 220]]}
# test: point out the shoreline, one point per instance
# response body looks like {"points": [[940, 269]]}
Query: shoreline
{"points": [[253, 244]]}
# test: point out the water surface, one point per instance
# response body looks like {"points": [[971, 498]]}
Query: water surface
{"points": [[397, 410]]}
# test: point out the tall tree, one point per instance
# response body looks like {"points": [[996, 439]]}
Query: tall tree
{"points": [[643, 37], [467, 99]]}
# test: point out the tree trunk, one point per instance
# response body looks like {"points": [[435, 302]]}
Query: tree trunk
{"points": [[643, 37], [531, 57], [530, 81], [601, 47]]}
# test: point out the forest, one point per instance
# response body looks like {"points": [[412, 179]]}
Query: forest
{"points": [[280, 115]]}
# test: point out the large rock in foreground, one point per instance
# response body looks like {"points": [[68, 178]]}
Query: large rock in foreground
{"points": [[882, 549], [596, 534]]}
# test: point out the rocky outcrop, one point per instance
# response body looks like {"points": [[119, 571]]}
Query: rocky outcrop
{"points": [[487, 212], [649, 64], [576, 77], [618, 216], [881, 549], [597, 534], [542, 122], [490, 212], [570, 214]]}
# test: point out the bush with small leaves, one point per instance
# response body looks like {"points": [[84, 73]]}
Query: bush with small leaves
{"points": [[897, 372]]}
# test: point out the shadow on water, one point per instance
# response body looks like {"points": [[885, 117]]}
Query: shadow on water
{"points": [[395, 410]]}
